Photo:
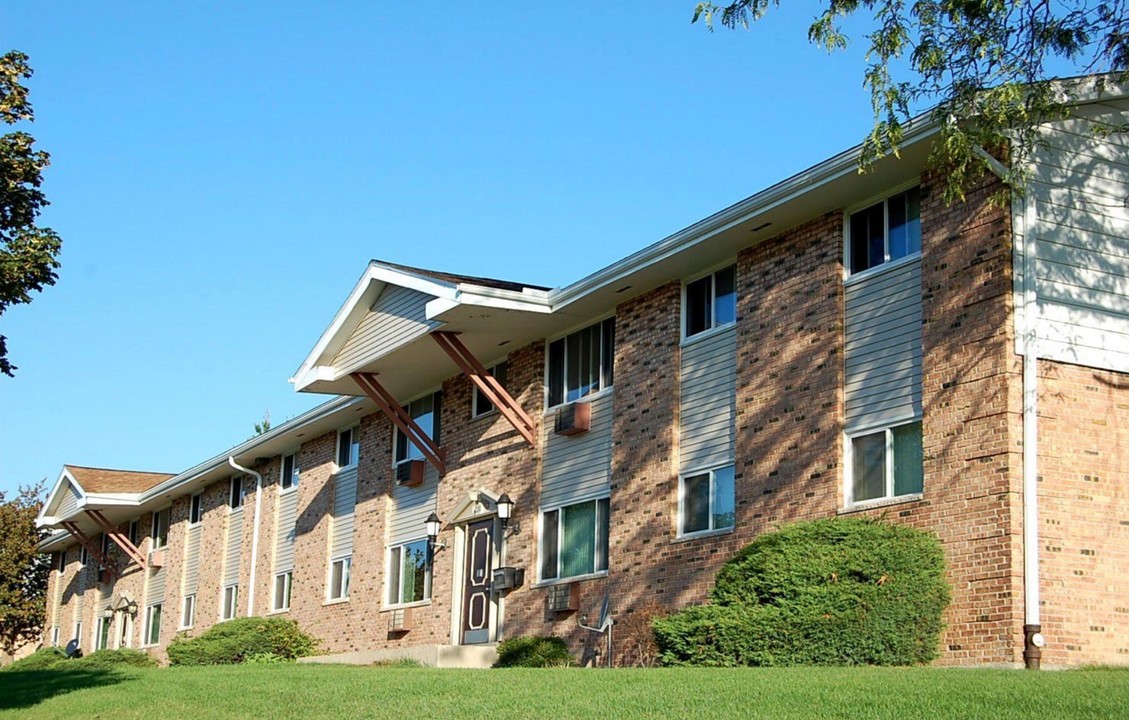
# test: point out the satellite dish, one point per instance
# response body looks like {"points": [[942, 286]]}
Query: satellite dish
{"points": [[72, 649], [605, 618]]}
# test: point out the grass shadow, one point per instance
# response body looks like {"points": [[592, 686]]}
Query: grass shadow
{"points": [[26, 688]]}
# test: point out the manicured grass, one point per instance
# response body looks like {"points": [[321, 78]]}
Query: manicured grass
{"points": [[313, 691]]}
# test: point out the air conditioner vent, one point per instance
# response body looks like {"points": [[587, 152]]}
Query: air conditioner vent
{"points": [[564, 598], [573, 419], [410, 473]]}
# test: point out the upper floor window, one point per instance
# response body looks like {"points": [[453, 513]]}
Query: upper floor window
{"points": [[289, 477], [425, 412], [481, 404], [195, 509], [885, 231], [160, 533], [82, 555], [235, 493], [134, 532], [348, 447], [711, 301], [581, 364]]}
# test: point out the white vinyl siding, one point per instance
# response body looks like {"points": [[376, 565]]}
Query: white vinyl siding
{"points": [[233, 547], [344, 504], [191, 559], [68, 504], [411, 506], [578, 467], [883, 346], [286, 532], [155, 590], [1075, 210], [708, 401], [397, 316]]}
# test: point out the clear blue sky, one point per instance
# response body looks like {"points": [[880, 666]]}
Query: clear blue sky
{"points": [[222, 172]]}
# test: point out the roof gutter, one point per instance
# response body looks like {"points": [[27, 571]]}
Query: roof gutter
{"points": [[254, 532]]}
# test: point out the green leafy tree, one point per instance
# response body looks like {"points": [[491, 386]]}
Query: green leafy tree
{"points": [[27, 252], [23, 569], [986, 67]]}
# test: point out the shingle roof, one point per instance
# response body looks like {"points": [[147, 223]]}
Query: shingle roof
{"points": [[470, 279], [102, 480]]}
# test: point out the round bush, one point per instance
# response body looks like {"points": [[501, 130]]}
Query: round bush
{"points": [[826, 592], [533, 651], [234, 641]]}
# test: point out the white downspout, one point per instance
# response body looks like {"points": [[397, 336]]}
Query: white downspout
{"points": [[1032, 630], [254, 532], [1033, 638]]}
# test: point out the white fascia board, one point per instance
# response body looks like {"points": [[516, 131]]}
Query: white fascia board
{"points": [[313, 415], [64, 477], [111, 500], [487, 297], [56, 538], [917, 130], [45, 521]]}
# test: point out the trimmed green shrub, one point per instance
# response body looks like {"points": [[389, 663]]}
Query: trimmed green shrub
{"points": [[234, 641], [533, 651], [39, 660], [840, 591], [123, 657]]}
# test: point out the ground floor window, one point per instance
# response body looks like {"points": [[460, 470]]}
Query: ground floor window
{"points": [[153, 624], [188, 612], [102, 642], [574, 540], [55, 636], [230, 602], [281, 599], [706, 501], [339, 572], [885, 463], [78, 634], [409, 573]]}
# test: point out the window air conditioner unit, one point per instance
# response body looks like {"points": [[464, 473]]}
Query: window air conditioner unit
{"points": [[157, 558], [573, 419], [410, 473], [400, 621], [564, 598]]}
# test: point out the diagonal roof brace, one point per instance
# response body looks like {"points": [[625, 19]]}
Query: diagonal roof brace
{"points": [[401, 419], [487, 383], [91, 548], [119, 538]]}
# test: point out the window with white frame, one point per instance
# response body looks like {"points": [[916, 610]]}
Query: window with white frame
{"points": [[188, 612], [160, 531], [230, 602], [288, 478], [281, 598], [339, 572], [480, 404], [153, 624], [706, 501], [425, 412], [102, 633], [61, 561], [885, 231], [582, 363], [409, 573], [574, 540], [885, 463], [78, 633], [711, 302], [235, 493], [196, 509], [82, 555], [348, 447], [134, 532], [55, 636]]}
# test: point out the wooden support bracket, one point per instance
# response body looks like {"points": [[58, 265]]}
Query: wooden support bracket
{"points": [[91, 549], [488, 384], [402, 420], [119, 538]]}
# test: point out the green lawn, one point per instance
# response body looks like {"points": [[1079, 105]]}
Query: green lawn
{"points": [[313, 691]]}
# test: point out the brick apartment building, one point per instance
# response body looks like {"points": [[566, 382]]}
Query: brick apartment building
{"points": [[836, 344]]}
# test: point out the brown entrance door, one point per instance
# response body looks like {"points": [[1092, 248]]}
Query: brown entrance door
{"points": [[476, 599]]}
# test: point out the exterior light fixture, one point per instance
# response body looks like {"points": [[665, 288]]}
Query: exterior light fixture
{"points": [[433, 523], [505, 513]]}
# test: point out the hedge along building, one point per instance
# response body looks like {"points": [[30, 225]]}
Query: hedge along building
{"points": [[835, 344]]}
